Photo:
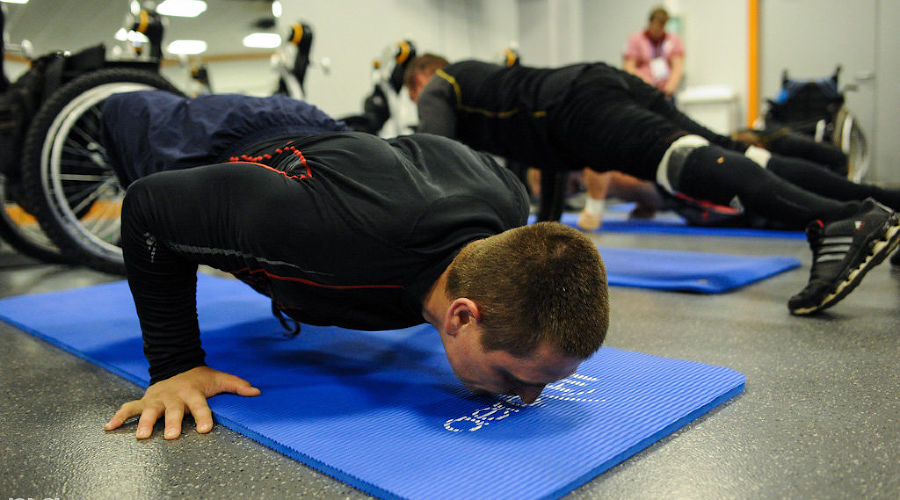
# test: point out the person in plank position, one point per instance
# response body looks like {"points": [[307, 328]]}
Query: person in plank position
{"points": [[594, 115], [338, 228]]}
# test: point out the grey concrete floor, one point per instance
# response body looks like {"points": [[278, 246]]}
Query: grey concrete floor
{"points": [[820, 417]]}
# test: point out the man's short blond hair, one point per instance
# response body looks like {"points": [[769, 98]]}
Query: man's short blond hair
{"points": [[535, 284], [426, 63], [659, 14]]}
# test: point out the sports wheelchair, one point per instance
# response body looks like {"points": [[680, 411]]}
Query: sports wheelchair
{"points": [[817, 109], [52, 165]]}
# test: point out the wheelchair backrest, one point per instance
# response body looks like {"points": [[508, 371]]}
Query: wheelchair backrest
{"points": [[23, 98], [805, 101]]}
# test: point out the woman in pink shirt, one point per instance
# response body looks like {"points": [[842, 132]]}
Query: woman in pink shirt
{"points": [[656, 56]]}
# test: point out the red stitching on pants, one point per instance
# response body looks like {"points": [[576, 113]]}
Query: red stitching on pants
{"points": [[255, 160]]}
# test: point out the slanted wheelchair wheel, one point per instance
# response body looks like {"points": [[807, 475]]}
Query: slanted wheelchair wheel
{"points": [[21, 230], [850, 138], [68, 181]]}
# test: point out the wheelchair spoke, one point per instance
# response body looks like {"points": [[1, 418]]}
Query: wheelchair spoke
{"points": [[88, 158], [85, 136], [83, 177], [72, 166], [111, 232], [92, 196], [99, 227], [76, 150]]}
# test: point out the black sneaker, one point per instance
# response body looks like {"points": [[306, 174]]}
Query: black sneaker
{"points": [[843, 252], [895, 260]]}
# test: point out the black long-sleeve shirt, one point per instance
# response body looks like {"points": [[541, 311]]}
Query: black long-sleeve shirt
{"points": [[499, 109], [566, 118], [340, 229]]}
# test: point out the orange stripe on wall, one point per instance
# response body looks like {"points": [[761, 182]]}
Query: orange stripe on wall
{"points": [[752, 61]]}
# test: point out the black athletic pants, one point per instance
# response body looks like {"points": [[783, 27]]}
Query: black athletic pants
{"points": [[614, 121]]}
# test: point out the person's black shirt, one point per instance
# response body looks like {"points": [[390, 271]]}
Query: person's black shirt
{"points": [[498, 109], [341, 229]]}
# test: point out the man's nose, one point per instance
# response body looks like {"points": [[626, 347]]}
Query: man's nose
{"points": [[528, 395]]}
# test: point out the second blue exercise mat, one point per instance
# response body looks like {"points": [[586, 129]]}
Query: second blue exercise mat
{"points": [[382, 411], [689, 271], [671, 223]]}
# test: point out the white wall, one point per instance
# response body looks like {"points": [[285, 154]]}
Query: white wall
{"points": [[14, 69], [886, 134], [252, 77], [800, 36], [714, 33], [351, 33], [550, 32], [811, 37]]}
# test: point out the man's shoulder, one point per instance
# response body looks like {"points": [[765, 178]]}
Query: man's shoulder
{"points": [[637, 37], [465, 62], [635, 44], [675, 40], [438, 87], [471, 64]]}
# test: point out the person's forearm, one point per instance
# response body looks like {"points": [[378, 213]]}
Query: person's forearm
{"points": [[675, 76], [163, 285], [630, 66]]}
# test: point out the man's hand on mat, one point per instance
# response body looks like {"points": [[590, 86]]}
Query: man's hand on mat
{"points": [[177, 395]]}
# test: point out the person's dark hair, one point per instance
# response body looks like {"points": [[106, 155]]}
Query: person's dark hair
{"points": [[533, 284], [660, 14], [426, 63]]}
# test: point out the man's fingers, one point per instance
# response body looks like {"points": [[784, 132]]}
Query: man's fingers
{"points": [[174, 416], [248, 390], [201, 413], [175, 396], [236, 385], [148, 419], [126, 411]]}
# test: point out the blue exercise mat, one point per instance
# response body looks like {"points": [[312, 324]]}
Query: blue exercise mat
{"points": [[382, 411], [689, 271], [616, 220]]}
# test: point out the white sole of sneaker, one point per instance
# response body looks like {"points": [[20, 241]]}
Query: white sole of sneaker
{"points": [[880, 250]]}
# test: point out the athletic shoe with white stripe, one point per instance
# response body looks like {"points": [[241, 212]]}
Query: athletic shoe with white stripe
{"points": [[843, 252]]}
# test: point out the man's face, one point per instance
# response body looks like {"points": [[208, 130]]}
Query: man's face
{"points": [[499, 372], [418, 82], [657, 28]]}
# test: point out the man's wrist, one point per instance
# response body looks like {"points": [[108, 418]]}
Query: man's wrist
{"points": [[163, 371]]}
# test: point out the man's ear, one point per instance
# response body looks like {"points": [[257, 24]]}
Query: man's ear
{"points": [[462, 312], [417, 84]]}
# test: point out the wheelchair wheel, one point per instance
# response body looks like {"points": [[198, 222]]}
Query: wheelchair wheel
{"points": [[850, 138], [67, 179], [22, 231]]}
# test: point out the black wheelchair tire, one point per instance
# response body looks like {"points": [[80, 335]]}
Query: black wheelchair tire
{"points": [[44, 187], [29, 241]]}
